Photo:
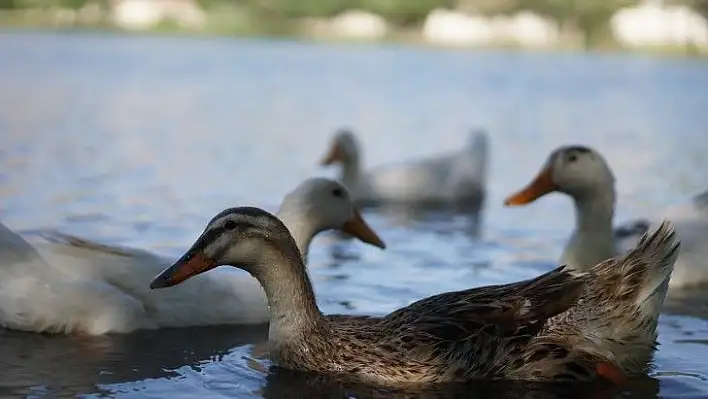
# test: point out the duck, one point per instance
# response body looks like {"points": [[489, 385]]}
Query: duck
{"points": [[584, 175], [72, 285], [599, 324], [456, 178]]}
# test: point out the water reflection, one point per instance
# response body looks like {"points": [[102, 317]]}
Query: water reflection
{"points": [[444, 222], [441, 219], [282, 383], [71, 365]]}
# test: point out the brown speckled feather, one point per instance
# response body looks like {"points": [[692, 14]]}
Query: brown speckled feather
{"points": [[561, 326]]}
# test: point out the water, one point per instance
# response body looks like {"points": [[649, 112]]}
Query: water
{"points": [[139, 141]]}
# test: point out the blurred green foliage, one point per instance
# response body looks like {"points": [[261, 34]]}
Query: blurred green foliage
{"points": [[10, 4], [589, 17], [404, 12], [699, 5], [399, 12]]}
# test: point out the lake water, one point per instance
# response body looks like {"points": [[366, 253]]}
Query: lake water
{"points": [[139, 141]]}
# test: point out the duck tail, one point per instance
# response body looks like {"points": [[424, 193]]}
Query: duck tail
{"points": [[659, 252], [642, 275], [14, 248], [477, 155], [623, 299], [479, 143]]}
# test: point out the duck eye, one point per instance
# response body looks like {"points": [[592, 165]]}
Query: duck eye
{"points": [[230, 225], [572, 158], [337, 192]]}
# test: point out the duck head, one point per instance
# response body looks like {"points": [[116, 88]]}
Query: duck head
{"points": [[578, 171]]}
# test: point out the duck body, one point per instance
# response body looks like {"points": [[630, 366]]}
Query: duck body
{"points": [[127, 272], [34, 296], [583, 174], [72, 285], [691, 221], [563, 325], [505, 336], [68, 284], [455, 178]]}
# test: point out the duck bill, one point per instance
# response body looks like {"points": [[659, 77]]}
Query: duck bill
{"points": [[540, 186], [334, 155], [357, 227], [189, 265]]}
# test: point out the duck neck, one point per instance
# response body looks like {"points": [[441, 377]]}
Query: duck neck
{"points": [[301, 228], [592, 241], [351, 171], [291, 299]]}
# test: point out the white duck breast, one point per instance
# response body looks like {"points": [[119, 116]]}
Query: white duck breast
{"points": [[457, 177], [76, 285], [584, 175]]}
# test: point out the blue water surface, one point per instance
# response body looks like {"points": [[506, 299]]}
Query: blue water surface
{"points": [[139, 141]]}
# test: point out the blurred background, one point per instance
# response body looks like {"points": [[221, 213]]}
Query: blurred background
{"points": [[133, 122], [659, 25]]}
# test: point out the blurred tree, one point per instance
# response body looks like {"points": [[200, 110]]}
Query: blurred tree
{"points": [[399, 12], [32, 3], [701, 6], [300, 8], [211, 3], [75, 4], [593, 17], [47, 3], [589, 16], [488, 7], [405, 12], [8, 4]]}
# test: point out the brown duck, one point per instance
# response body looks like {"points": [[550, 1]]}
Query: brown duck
{"points": [[563, 325]]}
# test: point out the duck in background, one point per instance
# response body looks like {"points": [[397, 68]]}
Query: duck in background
{"points": [[563, 325], [456, 178], [583, 174], [72, 285]]}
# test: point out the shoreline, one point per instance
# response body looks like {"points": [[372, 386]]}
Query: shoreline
{"points": [[397, 38]]}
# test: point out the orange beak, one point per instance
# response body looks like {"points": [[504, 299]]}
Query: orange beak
{"points": [[335, 154], [187, 266], [357, 227], [540, 186]]}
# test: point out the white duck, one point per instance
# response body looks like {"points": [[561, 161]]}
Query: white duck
{"points": [[77, 286], [584, 175], [457, 177]]}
